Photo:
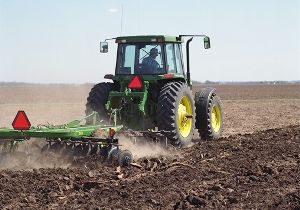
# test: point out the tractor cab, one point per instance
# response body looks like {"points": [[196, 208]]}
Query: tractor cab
{"points": [[148, 55], [149, 58], [152, 55]]}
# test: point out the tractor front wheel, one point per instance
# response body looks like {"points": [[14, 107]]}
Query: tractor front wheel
{"points": [[176, 113]]}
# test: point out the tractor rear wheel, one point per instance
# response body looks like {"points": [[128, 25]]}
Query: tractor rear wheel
{"points": [[209, 114], [96, 101], [176, 113]]}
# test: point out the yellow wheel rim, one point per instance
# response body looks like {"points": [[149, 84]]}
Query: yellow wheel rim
{"points": [[216, 118], [185, 116]]}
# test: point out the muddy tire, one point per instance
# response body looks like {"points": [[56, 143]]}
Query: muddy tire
{"points": [[209, 114], [176, 113], [96, 101]]}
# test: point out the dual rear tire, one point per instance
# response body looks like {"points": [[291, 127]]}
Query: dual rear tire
{"points": [[209, 114], [179, 113]]}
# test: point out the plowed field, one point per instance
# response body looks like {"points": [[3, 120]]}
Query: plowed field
{"points": [[256, 165]]}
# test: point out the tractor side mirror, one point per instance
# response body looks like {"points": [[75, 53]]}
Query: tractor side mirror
{"points": [[206, 42], [103, 47]]}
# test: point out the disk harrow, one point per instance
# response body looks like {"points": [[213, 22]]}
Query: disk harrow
{"points": [[69, 139]]}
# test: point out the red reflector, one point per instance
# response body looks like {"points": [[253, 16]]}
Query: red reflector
{"points": [[168, 76], [135, 83], [21, 121]]}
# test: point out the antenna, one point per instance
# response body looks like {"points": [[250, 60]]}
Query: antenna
{"points": [[121, 18], [139, 17]]}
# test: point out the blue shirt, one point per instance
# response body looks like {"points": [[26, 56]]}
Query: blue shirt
{"points": [[152, 64]]}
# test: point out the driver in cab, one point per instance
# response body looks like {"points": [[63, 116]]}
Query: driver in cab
{"points": [[150, 62]]}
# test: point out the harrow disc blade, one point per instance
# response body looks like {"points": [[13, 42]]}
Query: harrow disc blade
{"points": [[95, 150], [82, 149], [56, 147], [69, 150], [45, 148]]}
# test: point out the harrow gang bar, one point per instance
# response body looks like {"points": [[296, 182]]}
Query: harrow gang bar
{"points": [[55, 133]]}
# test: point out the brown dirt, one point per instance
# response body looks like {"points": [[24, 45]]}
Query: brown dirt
{"points": [[257, 171], [255, 166]]}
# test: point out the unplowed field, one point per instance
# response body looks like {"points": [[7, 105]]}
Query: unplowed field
{"points": [[256, 165]]}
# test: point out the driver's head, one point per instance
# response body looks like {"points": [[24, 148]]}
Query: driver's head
{"points": [[154, 52]]}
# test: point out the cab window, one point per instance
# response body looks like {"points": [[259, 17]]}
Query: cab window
{"points": [[171, 66], [178, 59], [140, 58], [126, 59]]}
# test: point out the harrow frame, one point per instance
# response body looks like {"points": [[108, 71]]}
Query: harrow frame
{"points": [[71, 134]]}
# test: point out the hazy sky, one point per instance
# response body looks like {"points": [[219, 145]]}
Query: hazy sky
{"points": [[57, 41]]}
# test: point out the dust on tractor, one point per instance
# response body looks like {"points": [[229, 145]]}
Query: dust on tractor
{"points": [[149, 96]]}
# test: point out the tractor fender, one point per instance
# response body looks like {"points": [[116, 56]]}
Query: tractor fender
{"points": [[202, 100]]}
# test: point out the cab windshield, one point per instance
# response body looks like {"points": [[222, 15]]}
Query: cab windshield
{"points": [[140, 58]]}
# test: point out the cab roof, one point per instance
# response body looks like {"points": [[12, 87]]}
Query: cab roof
{"points": [[148, 38]]}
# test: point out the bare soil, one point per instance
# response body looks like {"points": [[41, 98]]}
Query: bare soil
{"points": [[254, 166]]}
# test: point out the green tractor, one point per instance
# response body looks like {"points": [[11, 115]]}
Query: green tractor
{"points": [[152, 91]]}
